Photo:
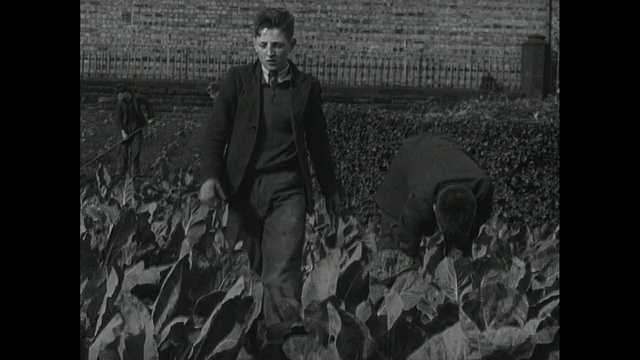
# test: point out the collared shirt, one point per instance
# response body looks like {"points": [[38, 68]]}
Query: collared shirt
{"points": [[283, 75]]}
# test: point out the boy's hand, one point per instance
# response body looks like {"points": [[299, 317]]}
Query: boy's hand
{"points": [[211, 191]]}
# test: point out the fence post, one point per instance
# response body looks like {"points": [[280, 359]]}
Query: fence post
{"points": [[339, 70], [352, 72], [443, 82], [474, 73], [368, 67], [403, 81], [412, 72], [353, 63], [433, 71], [393, 73], [126, 68], [138, 67], [459, 73], [450, 72], [373, 70], [346, 70], [465, 72], [457, 81], [536, 63], [89, 65], [388, 71], [81, 63], [343, 71], [419, 72], [305, 65], [134, 64], [441, 72], [427, 78], [334, 70], [324, 69], [469, 67], [394, 66], [396, 71], [92, 62], [439, 68], [144, 64], [382, 71], [187, 61], [219, 58], [157, 64], [209, 71], [174, 62]]}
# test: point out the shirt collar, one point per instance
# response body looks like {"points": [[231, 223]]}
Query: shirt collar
{"points": [[283, 75]]}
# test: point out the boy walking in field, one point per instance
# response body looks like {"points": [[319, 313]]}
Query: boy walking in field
{"points": [[268, 114]]}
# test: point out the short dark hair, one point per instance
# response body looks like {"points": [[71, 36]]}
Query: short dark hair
{"points": [[213, 87], [121, 87], [455, 212], [273, 18]]}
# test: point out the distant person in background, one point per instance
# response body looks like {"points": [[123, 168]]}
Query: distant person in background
{"points": [[130, 119], [213, 90], [269, 114], [433, 183]]}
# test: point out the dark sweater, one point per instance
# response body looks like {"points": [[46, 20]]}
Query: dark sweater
{"points": [[275, 148], [230, 137]]}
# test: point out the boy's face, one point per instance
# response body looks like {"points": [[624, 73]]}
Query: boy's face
{"points": [[124, 95], [273, 48]]}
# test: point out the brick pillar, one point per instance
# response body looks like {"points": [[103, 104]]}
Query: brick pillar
{"points": [[536, 67]]}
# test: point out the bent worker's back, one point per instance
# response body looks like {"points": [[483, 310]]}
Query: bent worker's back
{"points": [[424, 164]]}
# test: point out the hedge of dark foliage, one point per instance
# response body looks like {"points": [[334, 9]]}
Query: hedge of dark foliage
{"points": [[516, 143]]}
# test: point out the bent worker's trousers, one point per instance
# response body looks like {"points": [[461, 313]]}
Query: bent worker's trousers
{"points": [[129, 155]]}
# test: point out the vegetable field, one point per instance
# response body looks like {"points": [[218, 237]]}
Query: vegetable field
{"points": [[158, 280]]}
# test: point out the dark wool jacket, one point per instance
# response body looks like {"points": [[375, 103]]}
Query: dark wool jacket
{"points": [[233, 125], [423, 165], [124, 119]]}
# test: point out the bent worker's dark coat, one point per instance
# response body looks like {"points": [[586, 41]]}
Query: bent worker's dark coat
{"points": [[233, 124], [423, 165], [129, 113]]}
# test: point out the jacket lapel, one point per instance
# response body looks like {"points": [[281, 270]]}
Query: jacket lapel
{"points": [[300, 86], [252, 88]]}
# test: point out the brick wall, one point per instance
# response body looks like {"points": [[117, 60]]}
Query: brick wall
{"points": [[442, 27]]}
